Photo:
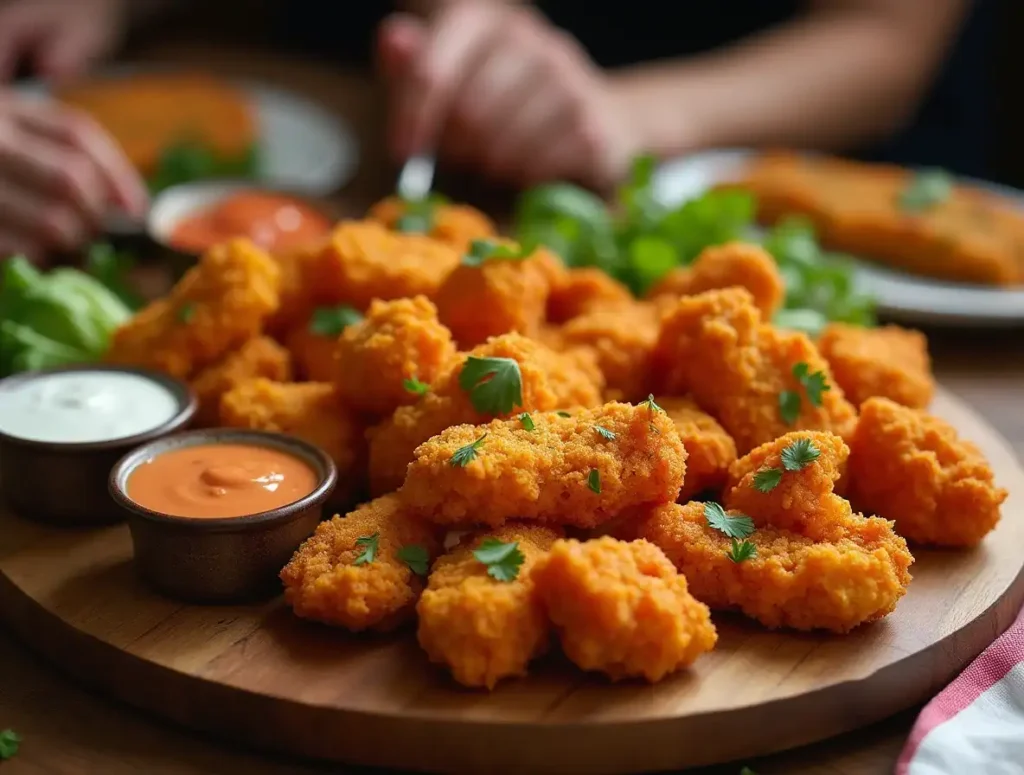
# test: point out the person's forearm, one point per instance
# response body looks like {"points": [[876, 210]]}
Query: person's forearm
{"points": [[834, 79]]}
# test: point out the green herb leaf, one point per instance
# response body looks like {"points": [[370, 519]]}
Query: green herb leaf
{"points": [[495, 385], [331, 321], [741, 551], [371, 545], [651, 405], [502, 560], [767, 479], [560, 413], [734, 527], [465, 455], [416, 557], [9, 743], [186, 312], [594, 481], [419, 215], [604, 433], [111, 268], [527, 421], [815, 384], [414, 386], [926, 189], [789, 406], [189, 160], [481, 250], [799, 454]]}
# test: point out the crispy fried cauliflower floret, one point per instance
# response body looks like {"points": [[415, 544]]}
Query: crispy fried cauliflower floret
{"points": [[550, 381], [397, 341], [792, 580], [581, 470], [709, 449], [481, 628], [218, 304], [715, 347], [913, 468], [259, 357], [454, 225], [323, 581], [621, 608], [583, 290], [735, 264], [889, 362]]}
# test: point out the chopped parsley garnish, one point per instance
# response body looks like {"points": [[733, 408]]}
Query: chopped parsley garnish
{"points": [[813, 383], [594, 481], [414, 386], [186, 312], [734, 527], [419, 215], [465, 455], [741, 551], [926, 189], [561, 413], [502, 560], [481, 250], [527, 421], [416, 557], [604, 433], [789, 406], [9, 743], [371, 545], [653, 408], [767, 479], [495, 385], [800, 454], [331, 321]]}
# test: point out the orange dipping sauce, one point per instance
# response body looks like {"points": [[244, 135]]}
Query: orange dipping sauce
{"points": [[208, 481], [273, 221]]}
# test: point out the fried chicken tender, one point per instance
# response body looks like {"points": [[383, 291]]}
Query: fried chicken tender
{"points": [[709, 449], [621, 608], [735, 264], [454, 225], [219, 303], [586, 289], [913, 468], [364, 261], [581, 470], [325, 582], [889, 362], [792, 581], [396, 341], [498, 296], [259, 357], [483, 629], [715, 347], [550, 381]]}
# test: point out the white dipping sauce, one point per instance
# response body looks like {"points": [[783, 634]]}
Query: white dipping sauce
{"points": [[84, 406]]}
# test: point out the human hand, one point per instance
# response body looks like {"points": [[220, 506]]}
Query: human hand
{"points": [[496, 87], [59, 37], [59, 175]]}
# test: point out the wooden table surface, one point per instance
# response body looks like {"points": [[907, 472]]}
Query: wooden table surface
{"points": [[69, 731]]}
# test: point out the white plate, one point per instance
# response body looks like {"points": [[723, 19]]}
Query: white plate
{"points": [[900, 296], [302, 145]]}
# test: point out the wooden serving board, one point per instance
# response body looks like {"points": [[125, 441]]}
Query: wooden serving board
{"points": [[260, 676]]}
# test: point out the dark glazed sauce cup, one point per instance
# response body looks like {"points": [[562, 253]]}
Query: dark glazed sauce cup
{"points": [[65, 484], [221, 560]]}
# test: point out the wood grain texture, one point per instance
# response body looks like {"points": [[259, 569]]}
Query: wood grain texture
{"points": [[239, 671]]}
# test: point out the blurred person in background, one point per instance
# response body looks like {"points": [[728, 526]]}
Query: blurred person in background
{"points": [[574, 89]]}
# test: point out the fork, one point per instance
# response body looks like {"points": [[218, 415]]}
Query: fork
{"points": [[417, 177]]}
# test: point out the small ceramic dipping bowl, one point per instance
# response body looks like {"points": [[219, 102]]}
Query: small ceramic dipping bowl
{"points": [[221, 559], [63, 429]]}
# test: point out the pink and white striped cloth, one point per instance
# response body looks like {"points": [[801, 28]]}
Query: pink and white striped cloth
{"points": [[975, 726]]}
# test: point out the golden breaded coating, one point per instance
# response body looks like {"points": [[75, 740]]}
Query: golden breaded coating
{"points": [[580, 470], [323, 581], [586, 289], [550, 381], [259, 357], [735, 264], [715, 347], [454, 225], [300, 292], [913, 468], [498, 296], [888, 362], [313, 354], [364, 261], [709, 449], [396, 341], [216, 306], [483, 629], [792, 581], [621, 608]]}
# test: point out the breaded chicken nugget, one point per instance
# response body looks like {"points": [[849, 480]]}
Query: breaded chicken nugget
{"points": [[744, 372], [364, 261], [397, 341], [709, 449], [586, 289], [313, 353], [349, 573], [889, 362], [622, 609], [735, 264], [299, 291], [792, 580], [550, 381], [452, 224], [312, 411], [581, 470], [481, 628], [913, 468], [219, 303], [259, 357]]}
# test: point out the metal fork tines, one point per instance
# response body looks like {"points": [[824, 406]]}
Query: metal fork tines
{"points": [[417, 177]]}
